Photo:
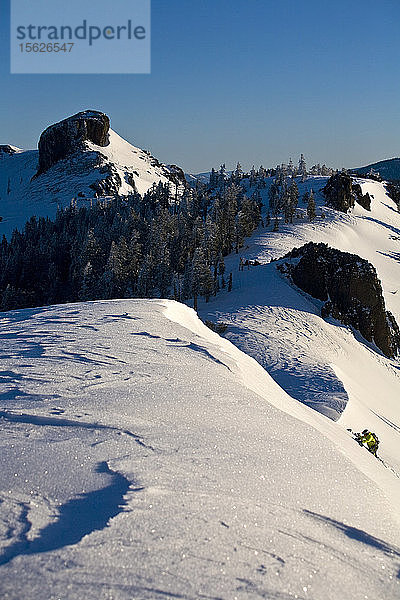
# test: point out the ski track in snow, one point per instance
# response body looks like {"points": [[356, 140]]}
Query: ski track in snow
{"points": [[312, 359], [143, 456], [226, 506]]}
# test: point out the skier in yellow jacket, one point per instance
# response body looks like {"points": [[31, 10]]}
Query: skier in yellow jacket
{"points": [[370, 439]]}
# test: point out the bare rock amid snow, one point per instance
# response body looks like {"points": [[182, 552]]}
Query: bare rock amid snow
{"points": [[68, 136], [339, 193], [393, 191], [350, 290], [363, 200], [177, 175]]}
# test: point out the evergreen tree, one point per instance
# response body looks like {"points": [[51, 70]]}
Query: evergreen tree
{"points": [[293, 199], [237, 175], [274, 197], [252, 178], [202, 280], [302, 170], [311, 210], [213, 178]]}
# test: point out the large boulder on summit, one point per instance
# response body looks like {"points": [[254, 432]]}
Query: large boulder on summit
{"points": [[350, 291], [68, 136]]}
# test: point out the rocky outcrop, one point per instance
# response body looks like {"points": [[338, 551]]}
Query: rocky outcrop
{"points": [[177, 175], [109, 185], [69, 136], [350, 291], [363, 200], [339, 193]]}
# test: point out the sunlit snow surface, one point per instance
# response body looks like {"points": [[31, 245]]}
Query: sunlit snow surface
{"points": [[143, 456], [322, 364]]}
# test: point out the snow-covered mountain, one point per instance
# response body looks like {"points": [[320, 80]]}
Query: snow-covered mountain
{"points": [[144, 456], [193, 178], [80, 157]]}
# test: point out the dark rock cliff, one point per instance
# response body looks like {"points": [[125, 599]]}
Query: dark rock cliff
{"points": [[350, 290], [341, 193], [363, 200], [68, 136]]}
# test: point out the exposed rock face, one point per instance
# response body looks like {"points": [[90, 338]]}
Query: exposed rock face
{"points": [[363, 200], [109, 185], [350, 289], [177, 175], [339, 193], [68, 136]]}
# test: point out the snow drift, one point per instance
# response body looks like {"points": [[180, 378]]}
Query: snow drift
{"points": [[143, 456]]}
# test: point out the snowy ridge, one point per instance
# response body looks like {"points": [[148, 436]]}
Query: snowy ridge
{"points": [[256, 379], [157, 451], [321, 363], [144, 456], [128, 159]]}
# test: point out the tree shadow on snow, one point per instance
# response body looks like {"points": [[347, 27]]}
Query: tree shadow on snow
{"points": [[358, 535]]}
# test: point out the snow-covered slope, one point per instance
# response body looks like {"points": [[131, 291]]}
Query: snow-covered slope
{"points": [[143, 456], [117, 168], [318, 362]]}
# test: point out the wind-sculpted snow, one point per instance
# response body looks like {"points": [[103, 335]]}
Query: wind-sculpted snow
{"points": [[143, 456], [320, 362]]}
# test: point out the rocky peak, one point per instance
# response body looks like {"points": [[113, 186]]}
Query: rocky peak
{"points": [[69, 135]]}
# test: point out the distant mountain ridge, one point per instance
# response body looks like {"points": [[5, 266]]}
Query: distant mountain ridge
{"points": [[388, 169]]}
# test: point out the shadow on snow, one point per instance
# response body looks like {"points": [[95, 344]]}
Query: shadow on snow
{"points": [[77, 518]]}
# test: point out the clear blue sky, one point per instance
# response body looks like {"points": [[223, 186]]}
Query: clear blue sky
{"points": [[257, 81]]}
